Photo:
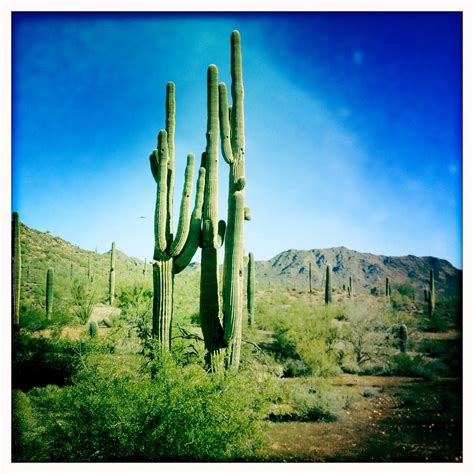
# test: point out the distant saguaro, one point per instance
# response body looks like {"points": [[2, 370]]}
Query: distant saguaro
{"points": [[49, 292], [112, 275], [310, 287], [328, 292], [251, 289]]}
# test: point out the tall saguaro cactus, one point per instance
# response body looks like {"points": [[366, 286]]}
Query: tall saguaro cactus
{"points": [[112, 275], [349, 288], [213, 231], [49, 292], [16, 270], [172, 254], [328, 291], [233, 151], [251, 289]]}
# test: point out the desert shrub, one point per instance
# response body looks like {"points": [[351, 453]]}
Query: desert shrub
{"points": [[406, 365], [181, 413], [38, 361], [33, 318]]}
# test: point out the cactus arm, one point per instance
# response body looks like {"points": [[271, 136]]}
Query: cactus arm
{"points": [[154, 166], [237, 89], [184, 221], [170, 130], [247, 214], [161, 198], [182, 260], [225, 125], [220, 234]]}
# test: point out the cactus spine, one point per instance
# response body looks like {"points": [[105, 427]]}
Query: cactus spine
{"points": [[172, 254], [309, 276], [328, 291], [49, 292], [233, 151], [403, 337], [16, 270], [251, 289], [112, 275]]}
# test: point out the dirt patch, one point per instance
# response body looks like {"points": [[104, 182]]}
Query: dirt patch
{"points": [[393, 419]]}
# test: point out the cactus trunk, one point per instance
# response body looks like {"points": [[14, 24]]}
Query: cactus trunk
{"points": [[309, 275], [112, 275], [349, 288], [403, 337], [432, 292], [16, 270], [163, 284], [251, 289], [387, 287], [328, 291], [49, 292]]}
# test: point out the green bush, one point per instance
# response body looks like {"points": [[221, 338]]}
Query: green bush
{"points": [[181, 413]]}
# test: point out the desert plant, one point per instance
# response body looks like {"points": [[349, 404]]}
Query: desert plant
{"points": [[93, 328], [172, 254], [233, 151], [349, 288], [112, 275], [431, 295], [328, 290], [83, 297], [309, 278], [388, 289], [16, 270], [251, 289], [49, 292], [403, 337]]}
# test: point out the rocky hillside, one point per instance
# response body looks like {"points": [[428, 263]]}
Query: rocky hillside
{"points": [[367, 270]]}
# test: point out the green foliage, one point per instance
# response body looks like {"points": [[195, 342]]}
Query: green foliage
{"points": [[83, 297], [16, 270], [177, 413]]}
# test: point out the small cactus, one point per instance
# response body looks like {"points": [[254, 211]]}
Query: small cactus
{"points": [[93, 328], [251, 289], [328, 291], [16, 270], [49, 292], [112, 275], [402, 337]]}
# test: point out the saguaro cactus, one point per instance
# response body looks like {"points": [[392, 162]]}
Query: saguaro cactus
{"points": [[49, 292], [402, 337], [432, 292], [213, 231], [233, 151], [349, 288], [16, 270], [171, 254], [251, 289], [309, 277], [388, 290], [112, 275], [328, 291]]}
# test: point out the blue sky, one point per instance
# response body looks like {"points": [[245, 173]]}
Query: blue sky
{"points": [[353, 126]]}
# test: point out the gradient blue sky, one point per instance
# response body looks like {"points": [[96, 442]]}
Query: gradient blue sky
{"points": [[353, 125]]}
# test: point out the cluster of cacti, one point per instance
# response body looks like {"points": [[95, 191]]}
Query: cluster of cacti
{"points": [[16, 270], [328, 290], [431, 295], [251, 289], [388, 288], [403, 337], [49, 292], [172, 254], [112, 275]]}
